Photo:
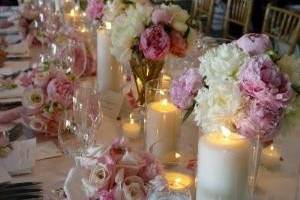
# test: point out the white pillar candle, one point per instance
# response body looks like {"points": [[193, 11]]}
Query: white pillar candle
{"points": [[162, 128], [271, 157], [57, 5], [131, 128], [109, 72], [223, 166]]}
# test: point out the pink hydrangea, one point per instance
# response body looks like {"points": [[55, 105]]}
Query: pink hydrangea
{"points": [[261, 79], [260, 120], [161, 16], [155, 43], [185, 88], [178, 44], [95, 9], [254, 44], [60, 89]]}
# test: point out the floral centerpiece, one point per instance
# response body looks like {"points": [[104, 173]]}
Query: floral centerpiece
{"points": [[48, 92], [144, 35], [245, 88], [121, 173]]}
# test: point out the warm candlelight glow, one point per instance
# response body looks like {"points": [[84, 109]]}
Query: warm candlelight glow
{"points": [[164, 102], [177, 155], [83, 30], [271, 157], [178, 181], [272, 147], [131, 128], [108, 25], [72, 13], [226, 132]]}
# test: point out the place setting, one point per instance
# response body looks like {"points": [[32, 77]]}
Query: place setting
{"points": [[149, 100]]}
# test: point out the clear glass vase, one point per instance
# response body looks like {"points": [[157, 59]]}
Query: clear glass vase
{"points": [[227, 166], [162, 121]]}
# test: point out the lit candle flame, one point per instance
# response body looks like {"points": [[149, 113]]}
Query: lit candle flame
{"points": [[272, 147], [72, 13], [164, 102], [177, 155], [108, 25], [131, 120], [226, 132]]}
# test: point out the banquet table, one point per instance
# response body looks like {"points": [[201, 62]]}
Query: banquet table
{"points": [[280, 184], [272, 185]]}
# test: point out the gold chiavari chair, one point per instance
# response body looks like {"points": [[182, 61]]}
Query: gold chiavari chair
{"points": [[203, 10], [238, 12], [282, 25]]}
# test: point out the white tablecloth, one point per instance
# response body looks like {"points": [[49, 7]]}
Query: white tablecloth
{"points": [[272, 185]]}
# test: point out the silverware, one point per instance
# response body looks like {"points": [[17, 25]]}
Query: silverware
{"points": [[16, 191], [15, 74]]}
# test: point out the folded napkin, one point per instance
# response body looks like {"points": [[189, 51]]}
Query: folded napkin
{"points": [[9, 30], [10, 67], [4, 176], [12, 93], [22, 158], [18, 49], [13, 39]]}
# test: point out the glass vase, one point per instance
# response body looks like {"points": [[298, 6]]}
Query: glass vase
{"points": [[143, 71], [227, 167], [162, 121]]}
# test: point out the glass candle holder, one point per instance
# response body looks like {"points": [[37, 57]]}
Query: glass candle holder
{"points": [[162, 122], [132, 126], [226, 163]]}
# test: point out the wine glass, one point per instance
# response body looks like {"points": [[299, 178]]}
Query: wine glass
{"points": [[88, 112], [73, 57], [69, 136]]}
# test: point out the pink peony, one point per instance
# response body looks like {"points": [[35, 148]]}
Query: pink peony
{"points": [[259, 120], [60, 89], [185, 88], [95, 9], [155, 43], [161, 16], [262, 80], [254, 44], [178, 44], [105, 195]]}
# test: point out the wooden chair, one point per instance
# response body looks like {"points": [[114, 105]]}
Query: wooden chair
{"points": [[203, 10], [238, 12], [282, 25]]}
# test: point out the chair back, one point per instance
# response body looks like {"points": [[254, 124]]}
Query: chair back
{"points": [[282, 25], [237, 12], [203, 10]]}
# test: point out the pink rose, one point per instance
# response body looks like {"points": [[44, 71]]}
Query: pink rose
{"points": [[95, 9], [178, 44], [261, 79], [254, 44], [259, 120], [161, 16], [60, 89], [155, 43]]}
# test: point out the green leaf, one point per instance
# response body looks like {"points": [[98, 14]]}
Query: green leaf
{"points": [[189, 112], [296, 88]]}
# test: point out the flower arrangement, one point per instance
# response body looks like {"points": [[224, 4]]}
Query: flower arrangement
{"points": [[243, 88], [48, 92], [121, 173], [143, 36], [95, 10]]}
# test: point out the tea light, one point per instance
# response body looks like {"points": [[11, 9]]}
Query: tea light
{"points": [[223, 166], [73, 16], [162, 128], [178, 181], [131, 129], [271, 156]]}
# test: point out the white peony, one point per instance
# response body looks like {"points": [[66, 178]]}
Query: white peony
{"points": [[290, 65], [222, 63], [219, 105], [125, 28], [180, 17]]}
